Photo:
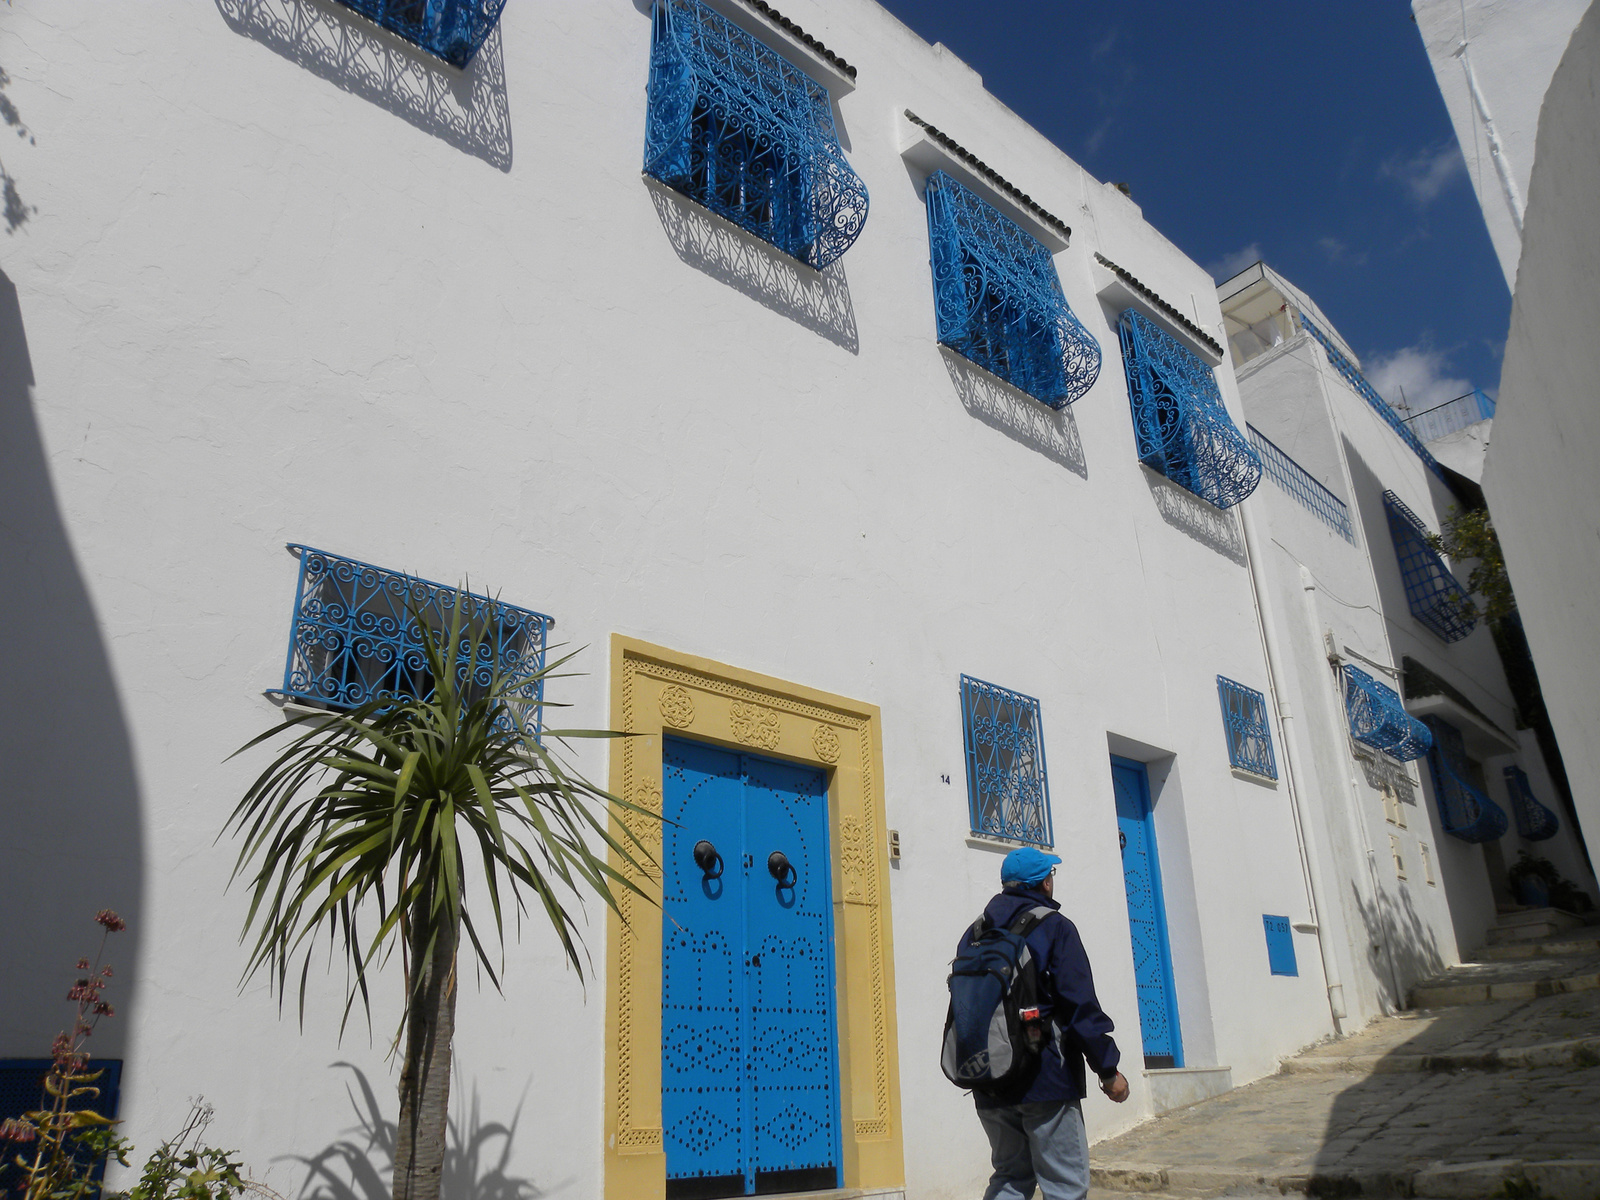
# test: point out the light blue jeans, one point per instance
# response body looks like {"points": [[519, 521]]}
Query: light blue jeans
{"points": [[1037, 1143]]}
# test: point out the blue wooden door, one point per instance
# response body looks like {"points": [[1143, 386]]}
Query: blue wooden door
{"points": [[749, 1072], [1147, 917]]}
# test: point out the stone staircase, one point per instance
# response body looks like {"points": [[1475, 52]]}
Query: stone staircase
{"points": [[1489, 1086]]}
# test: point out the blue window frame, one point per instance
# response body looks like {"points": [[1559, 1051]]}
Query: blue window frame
{"points": [[1303, 486], [453, 30], [1244, 717], [1379, 718], [738, 128], [998, 300], [1535, 822], [22, 1091], [1180, 424], [1465, 811], [1434, 596], [1008, 794], [355, 637], [1280, 946]]}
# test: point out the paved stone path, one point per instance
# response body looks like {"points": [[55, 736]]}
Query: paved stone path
{"points": [[1449, 1102]]}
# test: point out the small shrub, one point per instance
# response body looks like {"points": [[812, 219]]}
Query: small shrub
{"points": [[185, 1168]]}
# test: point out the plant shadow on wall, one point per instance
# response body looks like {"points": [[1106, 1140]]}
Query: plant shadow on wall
{"points": [[815, 300], [467, 109], [68, 787], [1216, 528], [360, 1164], [1020, 417], [13, 209], [1401, 948]]}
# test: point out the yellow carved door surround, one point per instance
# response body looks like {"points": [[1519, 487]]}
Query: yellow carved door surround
{"points": [[656, 691]]}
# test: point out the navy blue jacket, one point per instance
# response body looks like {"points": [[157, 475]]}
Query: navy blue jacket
{"points": [[1082, 1029]]}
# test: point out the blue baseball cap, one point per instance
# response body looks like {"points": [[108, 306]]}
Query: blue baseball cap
{"points": [[1027, 866]]}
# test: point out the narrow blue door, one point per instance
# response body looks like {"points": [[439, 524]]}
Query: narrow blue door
{"points": [[749, 1092], [1147, 917]]}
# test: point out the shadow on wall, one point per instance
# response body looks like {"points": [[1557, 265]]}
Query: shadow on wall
{"points": [[13, 209], [468, 109], [1216, 528], [1021, 418], [1401, 948], [73, 842], [816, 300], [360, 1164]]}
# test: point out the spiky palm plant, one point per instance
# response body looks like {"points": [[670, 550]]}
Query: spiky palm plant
{"points": [[368, 818]]}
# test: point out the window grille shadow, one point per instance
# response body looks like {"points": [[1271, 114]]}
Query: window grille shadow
{"points": [[74, 839], [1216, 528], [1020, 417], [1382, 771], [359, 1163], [815, 300], [467, 109]]}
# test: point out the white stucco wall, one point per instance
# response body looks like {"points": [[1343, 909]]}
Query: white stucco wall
{"points": [[1493, 60], [1539, 474]]}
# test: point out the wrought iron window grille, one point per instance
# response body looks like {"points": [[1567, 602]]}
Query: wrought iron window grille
{"points": [[1379, 718], [1347, 370], [1465, 812], [1180, 424], [1008, 793], [739, 129], [1244, 717], [1535, 822], [355, 639], [1302, 485], [453, 30], [1434, 596], [998, 300]]}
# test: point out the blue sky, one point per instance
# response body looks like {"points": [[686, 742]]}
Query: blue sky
{"points": [[1309, 135]]}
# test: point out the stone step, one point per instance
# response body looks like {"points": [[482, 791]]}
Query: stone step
{"points": [[1551, 1179], [1531, 923], [1444, 994], [1568, 1052], [1557, 947]]}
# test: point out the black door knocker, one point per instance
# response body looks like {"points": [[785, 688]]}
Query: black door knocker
{"points": [[706, 857], [781, 869]]}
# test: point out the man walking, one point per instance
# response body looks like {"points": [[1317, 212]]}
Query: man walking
{"points": [[1038, 1138]]}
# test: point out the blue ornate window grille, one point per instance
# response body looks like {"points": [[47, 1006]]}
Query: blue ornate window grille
{"points": [[1367, 392], [1244, 717], [1464, 811], [1008, 793], [1303, 486], [355, 638], [1435, 598], [1535, 822], [735, 126], [453, 30], [1379, 718], [1179, 421], [998, 299]]}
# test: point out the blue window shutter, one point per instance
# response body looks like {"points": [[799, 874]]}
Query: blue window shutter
{"points": [[1379, 719], [453, 30], [1244, 717], [1535, 822], [1464, 811], [738, 128], [1180, 424], [1008, 792], [1280, 946], [1432, 593]]}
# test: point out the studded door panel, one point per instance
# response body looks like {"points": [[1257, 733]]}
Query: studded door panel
{"points": [[1158, 1020], [749, 1092]]}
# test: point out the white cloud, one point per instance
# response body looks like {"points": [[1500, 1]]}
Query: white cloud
{"points": [[1426, 173], [1105, 45], [1338, 252], [1414, 379], [1232, 263]]}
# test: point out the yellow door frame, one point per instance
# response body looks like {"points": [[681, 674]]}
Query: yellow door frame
{"points": [[656, 691]]}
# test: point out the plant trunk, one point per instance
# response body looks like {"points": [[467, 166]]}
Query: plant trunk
{"points": [[425, 1079]]}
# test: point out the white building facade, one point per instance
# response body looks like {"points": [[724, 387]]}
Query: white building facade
{"points": [[296, 314]]}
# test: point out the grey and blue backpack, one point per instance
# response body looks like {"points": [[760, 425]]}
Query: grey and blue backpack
{"points": [[993, 1034]]}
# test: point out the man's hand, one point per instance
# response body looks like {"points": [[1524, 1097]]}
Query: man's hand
{"points": [[1116, 1088]]}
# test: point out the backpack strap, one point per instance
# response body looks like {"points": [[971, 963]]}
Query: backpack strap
{"points": [[1025, 923]]}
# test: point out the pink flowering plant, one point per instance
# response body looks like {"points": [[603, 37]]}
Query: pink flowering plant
{"points": [[60, 1148]]}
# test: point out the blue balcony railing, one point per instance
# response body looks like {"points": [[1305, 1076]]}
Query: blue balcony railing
{"points": [[1535, 822], [1008, 792], [1303, 486], [998, 300], [453, 30], [738, 128], [355, 638], [1432, 592], [1379, 718], [1244, 717], [1180, 424], [1465, 811]]}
